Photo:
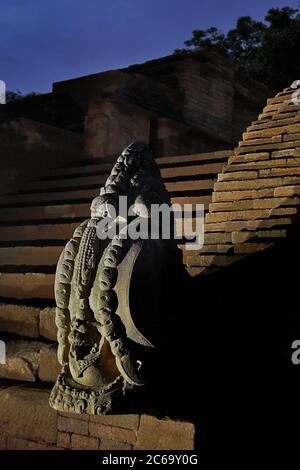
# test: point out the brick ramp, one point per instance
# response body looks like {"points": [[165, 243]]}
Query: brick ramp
{"points": [[255, 202], [28, 423]]}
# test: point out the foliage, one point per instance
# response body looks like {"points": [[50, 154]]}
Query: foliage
{"points": [[17, 95], [266, 51]]}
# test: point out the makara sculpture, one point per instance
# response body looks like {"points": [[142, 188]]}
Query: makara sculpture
{"points": [[110, 295]]}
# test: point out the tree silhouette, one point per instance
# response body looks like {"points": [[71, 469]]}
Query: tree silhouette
{"points": [[267, 51]]}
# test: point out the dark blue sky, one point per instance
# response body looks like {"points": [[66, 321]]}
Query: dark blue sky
{"points": [[42, 41]]}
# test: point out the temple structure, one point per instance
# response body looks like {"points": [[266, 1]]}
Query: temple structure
{"points": [[231, 293]]}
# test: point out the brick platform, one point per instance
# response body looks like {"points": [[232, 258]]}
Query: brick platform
{"points": [[28, 423]]}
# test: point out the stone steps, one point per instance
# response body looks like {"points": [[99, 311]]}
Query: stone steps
{"points": [[81, 196], [204, 166], [60, 230], [30, 361], [99, 179], [71, 211], [97, 166], [29, 285], [48, 198], [44, 212], [37, 222], [36, 256], [28, 321], [18, 233], [30, 255]]}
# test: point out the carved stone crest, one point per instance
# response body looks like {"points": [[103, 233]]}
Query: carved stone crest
{"points": [[109, 297]]}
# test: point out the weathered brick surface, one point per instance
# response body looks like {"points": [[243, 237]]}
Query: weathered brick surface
{"points": [[293, 161], [106, 118], [23, 255], [251, 157], [112, 433], [215, 260], [21, 162], [241, 237], [121, 432], [261, 140], [248, 184], [233, 195], [236, 215], [164, 434], [241, 225], [275, 203], [84, 442], [279, 119], [28, 423], [195, 271], [26, 414], [264, 147], [49, 368], [29, 360], [19, 319], [26, 285], [257, 194], [287, 191], [123, 435], [218, 248], [248, 248], [271, 233], [238, 175], [22, 360], [291, 128], [72, 425], [213, 238], [120, 421], [100, 430], [108, 444], [64, 440], [14, 443], [288, 137], [256, 165], [3, 441], [285, 171], [230, 206], [282, 153], [47, 325], [74, 415]]}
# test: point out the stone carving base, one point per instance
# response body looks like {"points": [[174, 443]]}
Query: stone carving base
{"points": [[68, 396]]}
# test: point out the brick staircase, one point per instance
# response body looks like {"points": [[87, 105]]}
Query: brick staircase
{"points": [[35, 225], [37, 222], [255, 202]]}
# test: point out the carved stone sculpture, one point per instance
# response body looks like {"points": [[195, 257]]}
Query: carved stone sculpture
{"points": [[110, 297]]}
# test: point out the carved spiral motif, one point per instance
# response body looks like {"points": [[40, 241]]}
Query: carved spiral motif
{"points": [[110, 324]]}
